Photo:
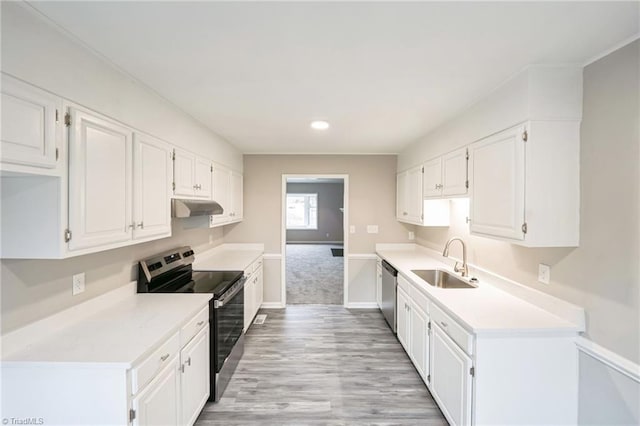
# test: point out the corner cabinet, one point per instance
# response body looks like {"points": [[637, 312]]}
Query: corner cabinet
{"points": [[31, 131], [525, 184]]}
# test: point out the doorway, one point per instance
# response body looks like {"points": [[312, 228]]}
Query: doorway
{"points": [[314, 239]]}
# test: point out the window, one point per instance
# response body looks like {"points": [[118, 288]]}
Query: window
{"points": [[302, 211]]}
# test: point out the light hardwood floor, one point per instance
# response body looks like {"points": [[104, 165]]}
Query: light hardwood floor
{"points": [[323, 365]]}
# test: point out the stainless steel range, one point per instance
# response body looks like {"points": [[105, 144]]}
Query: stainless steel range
{"points": [[171, 272]]}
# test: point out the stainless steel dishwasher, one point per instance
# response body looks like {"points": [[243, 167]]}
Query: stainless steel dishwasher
{"points": [[389, 284]]}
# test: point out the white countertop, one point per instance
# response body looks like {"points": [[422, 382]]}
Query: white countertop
{"points": [[227, 257], [482, 310], [116, 336]]}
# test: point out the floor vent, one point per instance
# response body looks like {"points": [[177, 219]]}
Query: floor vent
{"points": [[260, 319]]}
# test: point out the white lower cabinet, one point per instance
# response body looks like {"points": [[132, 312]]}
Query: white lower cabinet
{"points": [[253, 292], [451, 379], [419, 339], [157, 404], [176, 394], [379, 282], [194, 377], [413, 325]]}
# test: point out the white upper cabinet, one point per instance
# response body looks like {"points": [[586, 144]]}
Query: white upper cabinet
{"points": [[454, 173], [447, 175], [411, 207], [432, 180], [497, 204], [31, 128], [152, 173], [409, 196], [100, 180], [236, 196], [526, 184], [228, 192], [192, 175]]}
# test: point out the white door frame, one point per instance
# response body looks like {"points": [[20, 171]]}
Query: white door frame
{"points": [[345, 232]]}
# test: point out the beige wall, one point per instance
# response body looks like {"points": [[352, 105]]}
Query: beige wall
{"points": [[330, 199], [603, 274], [33, 289], [372, 195], [39, 53]]}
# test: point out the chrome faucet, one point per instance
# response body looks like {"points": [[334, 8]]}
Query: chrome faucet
{"points": [[464, 269]]}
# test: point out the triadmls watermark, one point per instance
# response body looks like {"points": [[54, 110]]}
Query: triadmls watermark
{"points": [[23, 421]]}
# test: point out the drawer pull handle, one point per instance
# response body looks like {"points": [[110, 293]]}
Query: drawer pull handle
{"points": [[163, 358], [444, 324], [188, 362], [199, 324]]}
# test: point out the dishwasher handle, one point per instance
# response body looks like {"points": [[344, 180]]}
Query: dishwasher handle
{"points": [[389, 268]]}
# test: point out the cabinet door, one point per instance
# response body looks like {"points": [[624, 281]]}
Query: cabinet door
{"points": [[401, 197], [30, 124], [379, 285], [157, 404], [222, 193], [259, 290], [497, 183], [402, 311], [450, 378], [152, 169], [100, 181], [419, 340], [203, 170], [194, 379], [236, 197], [183, 173], [432, 179], [248, 301], [414, 195], [454, 173]]}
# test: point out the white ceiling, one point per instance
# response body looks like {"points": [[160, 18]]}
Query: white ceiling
{"points": [[383, 74]]}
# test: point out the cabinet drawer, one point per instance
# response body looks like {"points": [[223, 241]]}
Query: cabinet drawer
{"points": [[404, 284], [257, 265], [420, 299], [462, 337], [192, 328], [147, 369]]}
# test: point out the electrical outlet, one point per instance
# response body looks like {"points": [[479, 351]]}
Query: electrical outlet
{"points": [[352, 229], [412, 236], [327, 235], [372, 229], [544, 273], [77, 284]]}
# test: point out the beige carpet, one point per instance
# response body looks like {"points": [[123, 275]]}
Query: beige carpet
{"points": [[314, 276]]}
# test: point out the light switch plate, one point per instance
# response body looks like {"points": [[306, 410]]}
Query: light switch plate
{"points": [[372, 229], [544, 273], [78, 284]]}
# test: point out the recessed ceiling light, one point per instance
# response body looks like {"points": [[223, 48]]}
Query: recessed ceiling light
{"points": [[319, 125]]}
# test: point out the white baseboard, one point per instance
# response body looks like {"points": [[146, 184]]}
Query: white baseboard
{"points": [[610, 358], [362, 305], [272, 305]]}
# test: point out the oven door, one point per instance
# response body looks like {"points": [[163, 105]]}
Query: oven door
{"points": [[228, 322]]}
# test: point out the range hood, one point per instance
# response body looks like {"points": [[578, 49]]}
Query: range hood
{"points": [[191, 208]]}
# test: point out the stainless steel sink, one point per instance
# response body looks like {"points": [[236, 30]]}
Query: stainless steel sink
{"points": [[442, 279]]}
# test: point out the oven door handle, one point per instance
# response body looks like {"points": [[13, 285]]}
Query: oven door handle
{"points": [[230, 294]]}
